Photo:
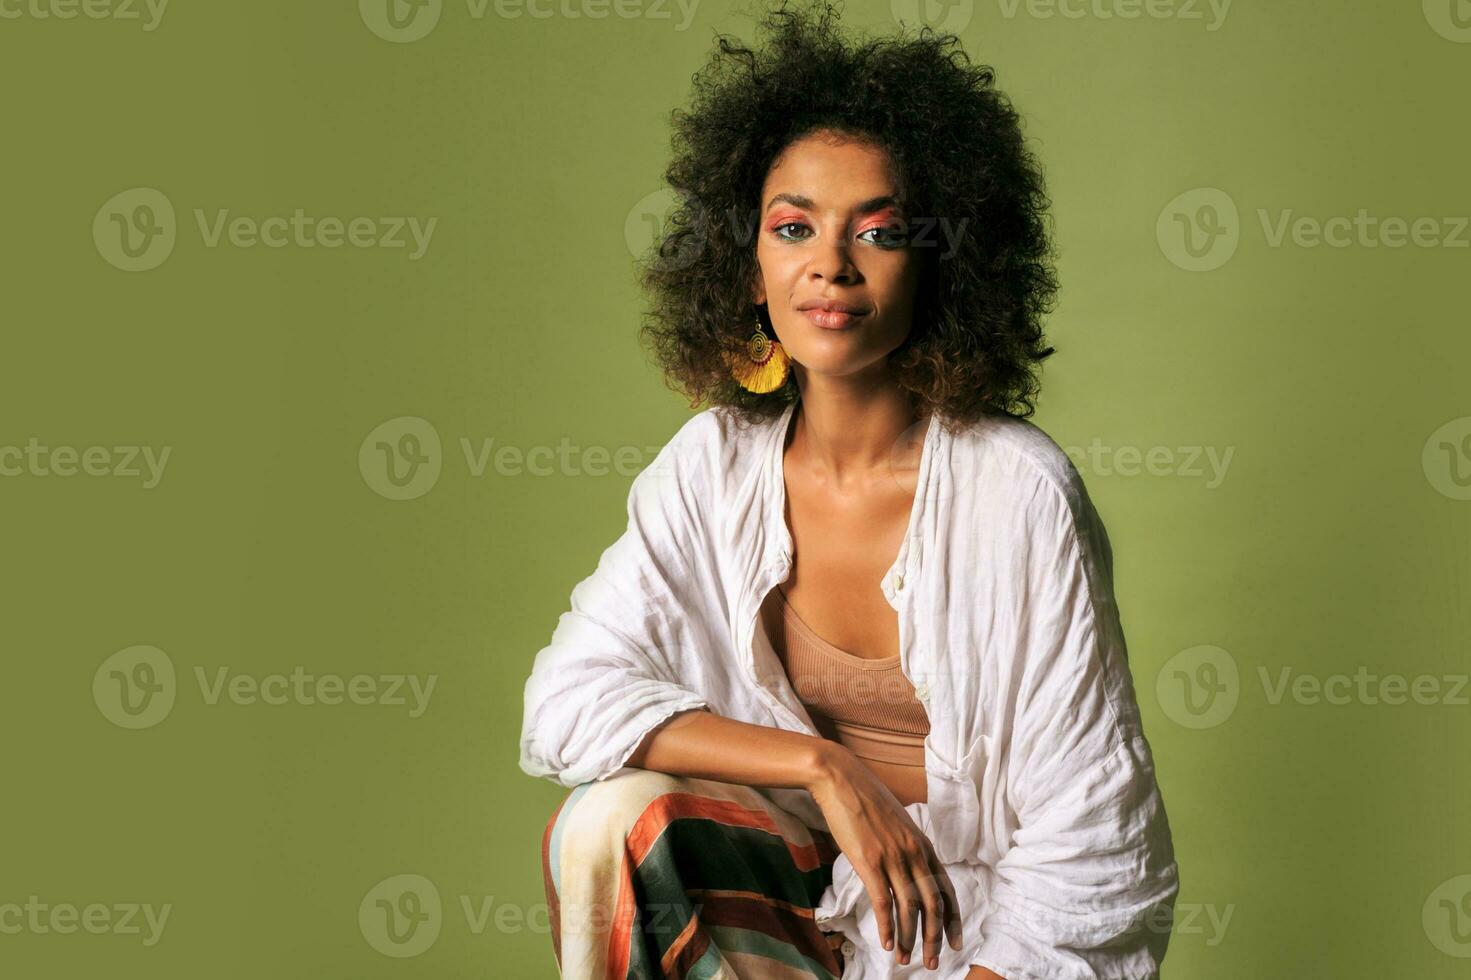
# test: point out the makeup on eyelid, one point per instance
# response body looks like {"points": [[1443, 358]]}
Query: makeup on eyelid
{"points": [[888, 218]]}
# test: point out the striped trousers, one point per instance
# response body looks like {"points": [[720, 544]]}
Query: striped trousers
{"points": [[650, 875]]}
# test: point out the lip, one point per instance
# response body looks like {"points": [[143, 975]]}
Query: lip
{"points": [[832, 314], [832, 319]]}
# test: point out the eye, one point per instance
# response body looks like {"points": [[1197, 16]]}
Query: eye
{"points": [[889, 236], [788, 224]]}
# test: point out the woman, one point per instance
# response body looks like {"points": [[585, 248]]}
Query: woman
{"points": [[850, 696]]}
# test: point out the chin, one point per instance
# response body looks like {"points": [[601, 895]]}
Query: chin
{"points": [[824, 364]]}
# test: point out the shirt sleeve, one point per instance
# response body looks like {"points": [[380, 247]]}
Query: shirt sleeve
{"points": [[618, 663], [1087, 887]]}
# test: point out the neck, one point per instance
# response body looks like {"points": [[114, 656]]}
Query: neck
{"points": [[848, 427]]}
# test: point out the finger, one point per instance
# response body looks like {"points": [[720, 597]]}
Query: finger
{"points": [[908, 904], [953, 921], [934, 913], [877, 887]]}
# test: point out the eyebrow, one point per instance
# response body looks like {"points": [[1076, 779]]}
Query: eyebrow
{"points": [[864, 207]]}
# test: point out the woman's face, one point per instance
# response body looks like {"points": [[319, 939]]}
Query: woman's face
{"points": [[831, 231]]}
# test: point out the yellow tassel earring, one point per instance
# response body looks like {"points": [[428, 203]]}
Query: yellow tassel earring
{"points": [[764, 366]]}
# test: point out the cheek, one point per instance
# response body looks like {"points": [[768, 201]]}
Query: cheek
{"points": [[777, 265], [892, 280]]}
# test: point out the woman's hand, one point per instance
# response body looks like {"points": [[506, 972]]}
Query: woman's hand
{"points": [[893, 859]]}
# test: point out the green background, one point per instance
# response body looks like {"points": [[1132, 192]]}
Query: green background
{"points": [[1333, 541]]}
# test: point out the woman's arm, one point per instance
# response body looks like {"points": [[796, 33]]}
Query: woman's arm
{"points": [[625, 656], [981, 973], [1090, 861], [705, 745], [897, 864]]}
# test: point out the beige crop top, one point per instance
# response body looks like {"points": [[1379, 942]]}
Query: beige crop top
{"points": [[867, 705]]}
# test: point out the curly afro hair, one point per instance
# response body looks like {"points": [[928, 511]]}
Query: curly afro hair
{"points": [[957, 150]]}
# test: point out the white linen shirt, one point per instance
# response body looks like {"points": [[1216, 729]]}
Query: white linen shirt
{"points": [[1042, 800]]}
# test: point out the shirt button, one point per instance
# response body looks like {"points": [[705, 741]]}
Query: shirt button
{"points": [[899, 581], [922, 691], [848, 947]]}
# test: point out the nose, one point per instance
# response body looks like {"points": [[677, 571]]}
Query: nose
{"points": [[834, 263]]}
